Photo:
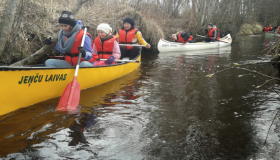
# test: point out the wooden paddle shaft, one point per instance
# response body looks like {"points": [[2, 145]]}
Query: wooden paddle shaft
{"points": [[79, 59], [116, 60], [132, 45], [205, 37]]}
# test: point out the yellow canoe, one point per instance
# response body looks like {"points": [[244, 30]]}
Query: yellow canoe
{"points": [[24, 86]]}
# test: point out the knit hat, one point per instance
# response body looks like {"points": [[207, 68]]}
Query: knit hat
{"points": [[67, 17], [129, 20], [210, 24], [104, 27]]}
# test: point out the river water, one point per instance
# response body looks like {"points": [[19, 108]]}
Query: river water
{"points": [[167, 109]]}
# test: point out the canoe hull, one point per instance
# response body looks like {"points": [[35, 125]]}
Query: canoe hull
{"points": [[24, 86], [167, 46]]}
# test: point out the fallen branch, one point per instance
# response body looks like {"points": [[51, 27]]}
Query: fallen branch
{"points": [[34, 57]]}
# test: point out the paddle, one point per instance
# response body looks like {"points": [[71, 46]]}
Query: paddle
{"points": [[205, 37], [116, 60], [70, 98], [133, 45]]}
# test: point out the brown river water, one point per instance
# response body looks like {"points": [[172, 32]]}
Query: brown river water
{"points": [[167, 109]]}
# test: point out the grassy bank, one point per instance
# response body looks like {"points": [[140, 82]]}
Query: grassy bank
{"points": [[250, 29]]}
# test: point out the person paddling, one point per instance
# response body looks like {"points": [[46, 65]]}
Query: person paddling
{"points": [[106, 45], [69, 43], [213, 33], [130, 35], [182, 37]]}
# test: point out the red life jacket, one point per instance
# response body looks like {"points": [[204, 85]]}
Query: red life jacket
{"points": [[73, 56], [211, 33], [128, 37], [278, 30], [104, 49], [181, 39], [266, 29]]}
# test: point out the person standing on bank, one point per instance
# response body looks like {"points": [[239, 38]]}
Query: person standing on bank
{"points": [[69, 43], [213, 33], [130, 35], [183, 37]]}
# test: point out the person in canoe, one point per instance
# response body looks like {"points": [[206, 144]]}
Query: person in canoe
{"points": [[69, 43], [277, 29], [267, 28], [182, 37], [106, 45], [213, 33], [129, 35]]}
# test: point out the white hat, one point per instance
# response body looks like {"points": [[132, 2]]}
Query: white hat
{"points": [[104, 27]]}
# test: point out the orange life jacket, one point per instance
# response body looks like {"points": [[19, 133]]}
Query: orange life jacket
{"points": [[104, 49], [128, 37], [73, 56], [211, 33], [266, 29], [181, 39]]}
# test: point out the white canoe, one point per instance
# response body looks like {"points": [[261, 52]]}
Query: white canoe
{"points": [[167, 46]]}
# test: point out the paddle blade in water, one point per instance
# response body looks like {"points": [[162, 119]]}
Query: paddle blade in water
{"points": [[70, 98]]}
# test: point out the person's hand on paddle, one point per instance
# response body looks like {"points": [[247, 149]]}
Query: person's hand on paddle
{"points": [[148, 46], [110, 60], [48, 41], [82, 50], [206, 31]]}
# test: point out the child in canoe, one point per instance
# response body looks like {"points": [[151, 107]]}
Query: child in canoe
{"points": [[130, 35], [106, 45], [182, 37]]}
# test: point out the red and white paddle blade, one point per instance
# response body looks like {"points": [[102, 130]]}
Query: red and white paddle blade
{"points": [[70, 98]]}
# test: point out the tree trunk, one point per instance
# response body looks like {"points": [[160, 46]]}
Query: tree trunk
{"points": [[78, 5], [135, 9], [203, 3], [45, 49], [7, 22]]}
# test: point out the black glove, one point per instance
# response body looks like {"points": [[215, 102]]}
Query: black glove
{"points": [[82, 50], [48, 41], [206, 31]]}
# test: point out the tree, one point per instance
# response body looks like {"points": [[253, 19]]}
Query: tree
{"points": [[7, 22]]}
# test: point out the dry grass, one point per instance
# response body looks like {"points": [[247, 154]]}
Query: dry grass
{"points": [[250, 29]]}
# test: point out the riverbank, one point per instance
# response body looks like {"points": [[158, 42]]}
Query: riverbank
{"points": [[250, 29]]}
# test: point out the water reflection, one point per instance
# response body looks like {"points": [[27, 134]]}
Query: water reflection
{"points": [[81, 124], [50, 134], [165, 110]]}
